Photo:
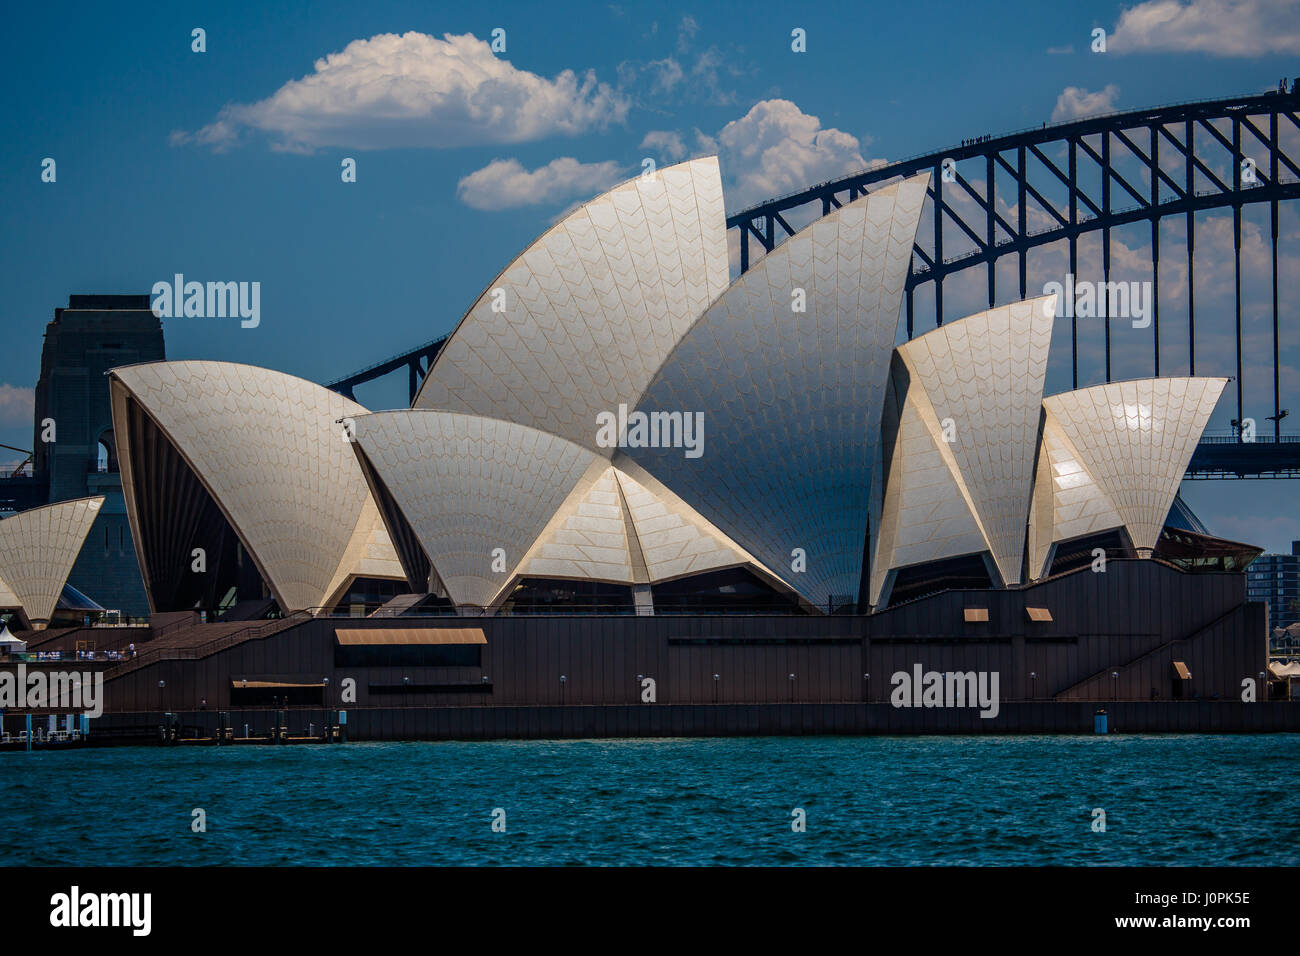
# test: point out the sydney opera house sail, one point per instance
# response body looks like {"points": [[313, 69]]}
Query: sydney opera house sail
{"points": [[490, 501], [220, 461], [37, 550], [584, 317], [1119, 451], [963, 432], [613, 425], [789, 368]]}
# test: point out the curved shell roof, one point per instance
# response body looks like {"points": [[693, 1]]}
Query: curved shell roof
{"points": [[476, 491], [493, 501], [1068, 503], [1134, 439], [927, 513], [270, 450], [792, 399], [37, 550], [585, 316], [978, 383]]}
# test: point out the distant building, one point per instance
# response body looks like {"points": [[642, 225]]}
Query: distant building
{"points": [[92, 335], [1275, 580]]}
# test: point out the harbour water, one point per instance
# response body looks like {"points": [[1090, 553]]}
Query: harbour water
{"points": [[1168, 800]]}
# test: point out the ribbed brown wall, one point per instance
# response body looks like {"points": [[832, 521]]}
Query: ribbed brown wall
{"points": [[1101, 623]]}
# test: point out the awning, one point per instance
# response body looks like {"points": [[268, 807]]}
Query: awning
{"points": [[975, 615], [1183, 672], [1040, 614], [390, 636], [239, 684]]}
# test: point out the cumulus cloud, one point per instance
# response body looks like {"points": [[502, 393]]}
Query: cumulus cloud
{"points": [[16, 404], [506, 184], [777, 148], [664, 143], [416, 90], [1248, 28], [1077, 103]]}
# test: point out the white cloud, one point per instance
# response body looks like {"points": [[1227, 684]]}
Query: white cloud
{"points": [[1077, 103], [1061, 50], [1247, 28], [776, 148], [417, 90], [16, 404], [665, 75], [707, 73], [506, 184], [686, 31], [665, 143]]}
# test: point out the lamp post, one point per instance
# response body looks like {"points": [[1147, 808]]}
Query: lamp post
{"points": [[716, 678], [1263, 685], [1114, 685], [791, 679], [563, 680], [867, 679], [1033, 685]]}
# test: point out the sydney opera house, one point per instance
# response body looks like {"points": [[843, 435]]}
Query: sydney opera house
{"points": [[622, 465]]}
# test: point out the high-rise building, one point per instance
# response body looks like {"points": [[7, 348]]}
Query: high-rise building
{"points": [[74, 449], [1275, 580]]}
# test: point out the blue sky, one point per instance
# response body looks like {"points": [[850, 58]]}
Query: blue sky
{"points": [[225, 165]]}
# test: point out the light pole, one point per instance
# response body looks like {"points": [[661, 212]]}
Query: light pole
{"points": [[791, 679], [1033, 685], [716, 678], [1114, 685], [1263, 685], [563, 680], [867, 678]]}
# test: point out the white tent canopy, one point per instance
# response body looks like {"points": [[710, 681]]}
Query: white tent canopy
{"points": [[10, 643]]}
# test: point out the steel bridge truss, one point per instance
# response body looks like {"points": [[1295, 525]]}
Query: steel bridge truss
{"points": [[1079, 175], [1100, 194]]}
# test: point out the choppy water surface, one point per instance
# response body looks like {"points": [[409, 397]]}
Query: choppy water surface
{"points": [[1231, 800]]}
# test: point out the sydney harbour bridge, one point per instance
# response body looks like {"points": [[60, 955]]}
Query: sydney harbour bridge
{"points": [[1000, 199]]}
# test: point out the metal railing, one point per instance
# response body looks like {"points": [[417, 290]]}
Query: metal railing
{"points": [[252, 632]]}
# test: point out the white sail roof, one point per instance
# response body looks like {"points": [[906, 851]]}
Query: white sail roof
{"points": [[271, 451], [791, 399], [37, 550], [583, 318], [1134, 441], [491, 502], [1068, 503], [981, 379]]}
